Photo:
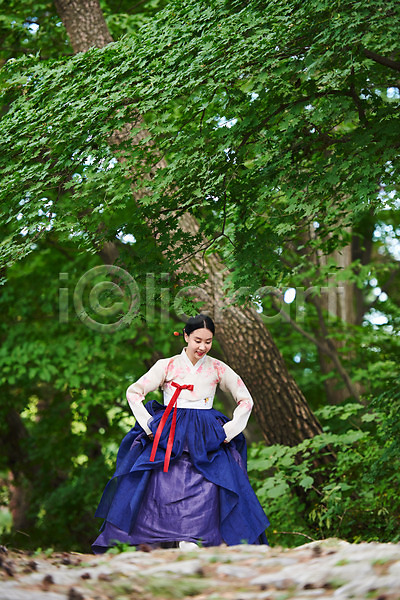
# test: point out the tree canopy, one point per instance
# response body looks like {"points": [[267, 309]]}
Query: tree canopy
{"points": [[271, 118]]}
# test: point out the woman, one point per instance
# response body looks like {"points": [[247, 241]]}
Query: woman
{"points": [[181, 471]]}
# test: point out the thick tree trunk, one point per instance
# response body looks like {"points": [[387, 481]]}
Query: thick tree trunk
{"points": [[280, 407], [84, 22]]}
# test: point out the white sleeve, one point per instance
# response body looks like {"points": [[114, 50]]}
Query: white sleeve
{"points": [[137, 391], [230, 381]]}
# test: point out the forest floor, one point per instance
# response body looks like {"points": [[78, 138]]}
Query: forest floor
{"points": [[327, 569]]}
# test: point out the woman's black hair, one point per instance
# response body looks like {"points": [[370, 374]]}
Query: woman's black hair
{"points": [[198, 322]]}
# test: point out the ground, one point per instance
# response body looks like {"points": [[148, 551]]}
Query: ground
{"points": [[319, 570]]}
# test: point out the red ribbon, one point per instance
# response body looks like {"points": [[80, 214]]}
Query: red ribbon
{"points": [[172, 404]]}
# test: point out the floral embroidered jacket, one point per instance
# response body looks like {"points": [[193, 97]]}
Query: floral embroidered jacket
{"points": [[205, 375]]}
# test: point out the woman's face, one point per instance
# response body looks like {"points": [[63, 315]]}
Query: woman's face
{"points": [[199, 343]]}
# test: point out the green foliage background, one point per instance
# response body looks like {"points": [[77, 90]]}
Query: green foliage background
{"points": [[355, 498], [275, 118]]}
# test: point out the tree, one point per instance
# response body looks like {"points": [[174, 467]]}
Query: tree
{"points": [[84, 23], [287, 406], [63, 411], [345, 294]]}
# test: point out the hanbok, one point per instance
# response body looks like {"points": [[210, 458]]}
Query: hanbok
{"points": [[188, 484]]}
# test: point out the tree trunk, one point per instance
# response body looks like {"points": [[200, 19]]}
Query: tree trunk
{"points": [[84, 22], [337, 302], [280, 407], [13, 446]]}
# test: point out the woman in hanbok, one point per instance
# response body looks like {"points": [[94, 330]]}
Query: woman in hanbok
{"points": [[181, 477]]}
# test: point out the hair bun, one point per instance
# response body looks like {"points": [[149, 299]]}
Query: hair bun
{"points": [[199, 322]]}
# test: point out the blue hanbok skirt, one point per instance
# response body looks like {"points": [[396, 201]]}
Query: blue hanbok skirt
{"points": [[205, 496]]}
